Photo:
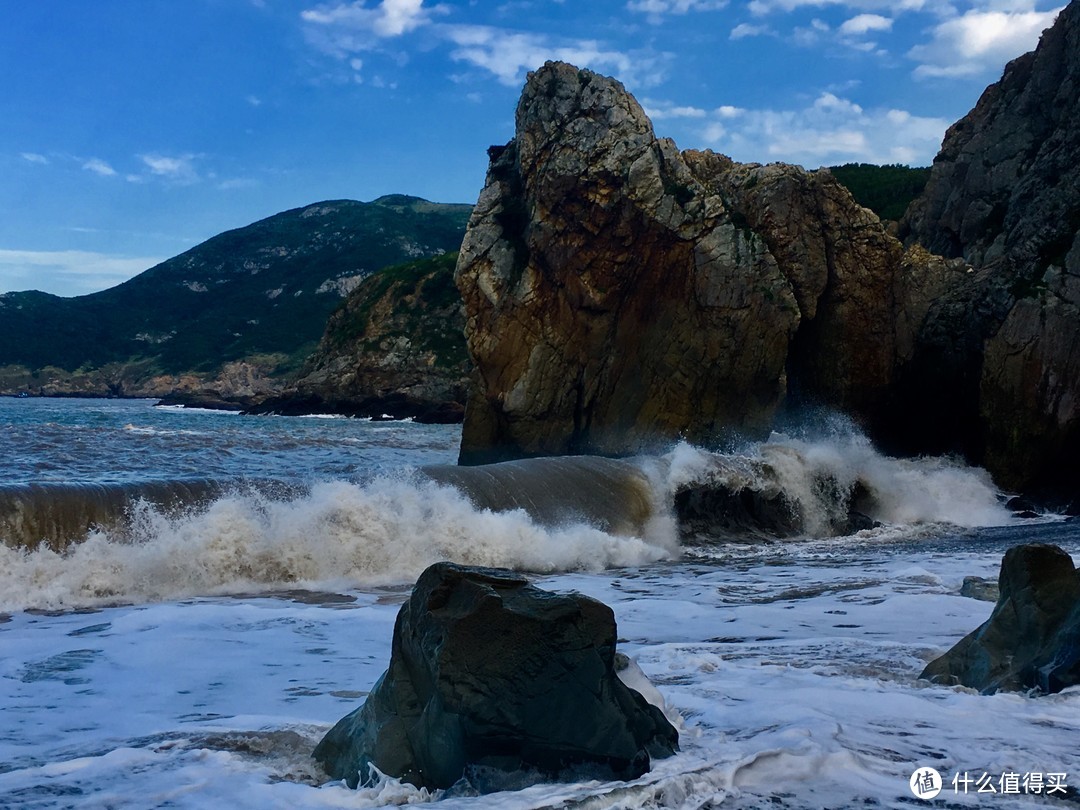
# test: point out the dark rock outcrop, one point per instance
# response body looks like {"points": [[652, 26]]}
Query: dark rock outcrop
{"points": [[394, 349], [619, 292], [494, 680], [1032, 639], [998, 366]]}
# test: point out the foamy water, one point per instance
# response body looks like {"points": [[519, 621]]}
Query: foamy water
{"points": [[794, 672], [338, 535], [193, 657], [388, 529]]}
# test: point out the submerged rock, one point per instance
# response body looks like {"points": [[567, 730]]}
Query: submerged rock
{"points": [[501, 683], [985, 590], [1032, 639]]}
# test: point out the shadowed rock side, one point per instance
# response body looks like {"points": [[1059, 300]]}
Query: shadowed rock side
{"points": [[620, 293], [393, 349], [496, 681], [998, 373], [1032, 639]]}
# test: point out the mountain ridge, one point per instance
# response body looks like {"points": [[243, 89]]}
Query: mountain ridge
{"points": [[260, 294]]}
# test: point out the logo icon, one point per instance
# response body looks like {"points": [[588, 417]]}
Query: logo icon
{"points": [[925, 783]]}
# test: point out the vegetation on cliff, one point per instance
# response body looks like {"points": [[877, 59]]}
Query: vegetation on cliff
{"points": [[886, 190], [395, 347], [260, 294]]}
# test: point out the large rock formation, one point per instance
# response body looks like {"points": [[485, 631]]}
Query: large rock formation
{"points": [[1032, 639], [998, 366], [496, 681], [619, 292], [394, 348]]}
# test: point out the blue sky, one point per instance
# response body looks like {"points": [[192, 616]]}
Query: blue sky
{"points": [[135, 129]]}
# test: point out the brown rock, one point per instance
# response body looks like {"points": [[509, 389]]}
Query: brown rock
{"points": [[619, 293]]}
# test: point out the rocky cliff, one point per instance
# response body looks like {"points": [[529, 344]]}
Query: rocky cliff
{"points": [[998, 365], [394, 348], [620, 293]]}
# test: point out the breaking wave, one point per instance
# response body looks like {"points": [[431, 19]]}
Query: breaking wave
{"points": [[70, 545]]}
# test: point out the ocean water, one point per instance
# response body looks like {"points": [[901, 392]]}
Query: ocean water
{"points": [[209, 593]]}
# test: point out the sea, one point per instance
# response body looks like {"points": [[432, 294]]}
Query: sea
{"points": [[190, 599]]}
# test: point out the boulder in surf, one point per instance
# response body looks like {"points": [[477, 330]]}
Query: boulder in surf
{"points": [[501, 684], [1032, 639]]}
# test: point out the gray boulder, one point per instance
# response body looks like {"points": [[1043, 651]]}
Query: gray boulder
{"points": [[1032, 639], [500, 683]]}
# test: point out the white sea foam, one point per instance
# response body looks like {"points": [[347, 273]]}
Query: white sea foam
{"points": [[386, 531], [821, 474], [796, 680]]}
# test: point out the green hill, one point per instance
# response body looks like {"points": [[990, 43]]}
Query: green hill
{"points": [[263, 291], [885, 190], [395, 346]]}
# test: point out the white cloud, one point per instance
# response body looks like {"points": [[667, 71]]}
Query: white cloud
{"points": [[979, 41], [812, 34], [508, 55], [67, 272], [99, 166], [254, 101], [763, 7], [656, 9], [34, 157], [234, 183], [341, 29], [660, 110], [864, 23], [828, 131], [174, 168], [743, 30]]}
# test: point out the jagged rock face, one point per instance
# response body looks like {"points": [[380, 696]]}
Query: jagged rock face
{"points": [[394, 348], [997, 365], [619, 293], [1007, 180]]}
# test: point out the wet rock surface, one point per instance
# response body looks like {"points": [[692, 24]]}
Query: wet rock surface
{"points": [[502, 684], [1032, 639]]}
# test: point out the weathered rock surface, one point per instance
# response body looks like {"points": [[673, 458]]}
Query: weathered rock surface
{"points": [[619, 292], [395, 348], [1032, 639], [997, 365], [499, 682]]}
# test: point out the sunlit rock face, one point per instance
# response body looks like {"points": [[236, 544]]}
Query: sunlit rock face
{"points": [[620, 293]]}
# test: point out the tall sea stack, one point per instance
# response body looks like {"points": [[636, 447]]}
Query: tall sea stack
{"points": [[619, 293]]}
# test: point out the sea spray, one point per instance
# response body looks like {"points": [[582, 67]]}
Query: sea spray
{"points": [[822, 481], [343, 534], [338, 535]]}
